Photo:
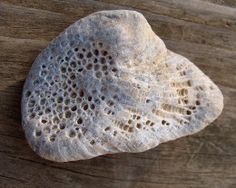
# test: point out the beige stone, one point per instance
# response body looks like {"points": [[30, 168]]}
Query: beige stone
{"points": [[108, 84]]}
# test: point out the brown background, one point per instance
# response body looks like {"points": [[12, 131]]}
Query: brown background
{"points": [[205, 32]]}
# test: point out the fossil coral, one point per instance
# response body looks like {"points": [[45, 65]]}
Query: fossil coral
{"points": [[108, 84]]}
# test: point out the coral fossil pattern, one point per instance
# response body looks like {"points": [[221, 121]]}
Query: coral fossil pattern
{"points": [[108, 84]]}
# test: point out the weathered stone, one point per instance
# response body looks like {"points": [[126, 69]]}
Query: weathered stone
{"points": [[107, 84]]}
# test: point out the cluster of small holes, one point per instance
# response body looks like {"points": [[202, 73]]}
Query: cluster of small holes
{"points": [[164, 122], [70, 102], [134, 123], [183, 108], [186, 107], [96, 60]]}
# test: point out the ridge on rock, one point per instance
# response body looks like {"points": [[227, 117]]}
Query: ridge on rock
{"points": [[108, 84]]}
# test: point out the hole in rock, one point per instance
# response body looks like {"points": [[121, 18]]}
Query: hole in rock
{"points": [[72, 133], [89, 66], [62, 126], [104, 53], [80, 121], [104, 68], [73, 95], [56, 120], [100, 44], [59, 99], [31, 103], [110, 103], [47, 110], [80, 70], [89, 54], [147, 101], [96, 67], [98, 74], [92, 106], [42, 101], [198, 103], [131, 129], [63, 69], [89, 98], [103, 60], [126, 127], [76, 49], [40, 113], [138, 125], [188, 112], [185, 101], [74, 85], [72, 77], [81, 93], [114, 133], [85, 107], [59, 108], [72, 64], [47, 130], [74, 108], [81, 56], [38, 133], [67, 101], [27, 94], [92, 142], [32, 115], [114, 70], [152, 124], [53, 138], [95, 60], [96, 52], [43, 121], [68, 114]]}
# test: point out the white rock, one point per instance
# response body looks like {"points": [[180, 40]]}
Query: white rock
{"points": [[107, 84]]}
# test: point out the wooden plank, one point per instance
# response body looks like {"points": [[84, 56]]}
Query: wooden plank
{"points": [[203, 31], [224, 2]]}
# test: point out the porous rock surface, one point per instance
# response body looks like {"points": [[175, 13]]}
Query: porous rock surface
{"points": [[107, 84]]}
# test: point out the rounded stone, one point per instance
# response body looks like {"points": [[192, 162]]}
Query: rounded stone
{"points": [[108, 84]]}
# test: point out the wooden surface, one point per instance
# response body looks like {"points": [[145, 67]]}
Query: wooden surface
{"points": [[203, 31]]}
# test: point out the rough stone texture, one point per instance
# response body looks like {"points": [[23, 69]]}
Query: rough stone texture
{"points": [[204, 32], [108, 84]]}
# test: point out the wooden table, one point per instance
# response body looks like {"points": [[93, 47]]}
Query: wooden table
{"points": [[205, 32]]}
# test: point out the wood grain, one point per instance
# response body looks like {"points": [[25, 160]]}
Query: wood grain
{"points": [[203, 31]]}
